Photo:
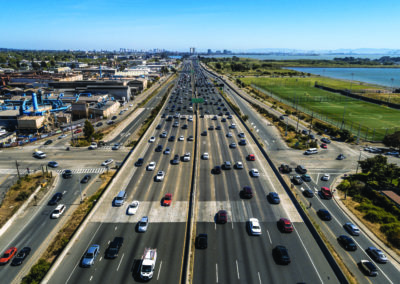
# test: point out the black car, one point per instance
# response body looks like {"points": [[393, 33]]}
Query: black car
{"points": [[325, 140], [217, 170], [113, 249], [281, 255], [340, 157], [190, 138], [242, 142], [185, 126], [301, 169], [246, 192], [176, 160], [347, 242], [297, 180], [204, 133], [139, 162], [273, 197], [158, 126], [171, 139], [368, 267], [286, 169], [158, 148], [48, 142], [99, 124], [86, 178], [21, 255], [114, 117], [324, 214], [223, 120], [218, 127], [67, 174], [308, 193], [211, 127], [56, 198], [201, 241]]}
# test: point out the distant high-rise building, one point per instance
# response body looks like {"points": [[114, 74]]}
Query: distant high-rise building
{"points": [[192, 50], [209, 51], [218, 52]]}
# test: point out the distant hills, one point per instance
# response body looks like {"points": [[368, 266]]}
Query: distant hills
{"points": [[383, 51]]}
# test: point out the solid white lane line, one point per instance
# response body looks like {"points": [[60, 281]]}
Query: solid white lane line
{"points": [[115, 228], [215, 224], [120, 261], [259, 277], [266, 142], [159, 270], [91, 277], [216, 270], [100, 258], [269, 237], [237, 269]]}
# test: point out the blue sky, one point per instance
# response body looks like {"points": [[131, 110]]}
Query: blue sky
{"points": [[177, 25]]}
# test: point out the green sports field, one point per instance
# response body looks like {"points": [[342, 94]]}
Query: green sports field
{"points": [[372, 119]]}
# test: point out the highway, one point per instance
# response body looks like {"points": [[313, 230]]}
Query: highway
{"points": [[324, 162], [167, 225]]}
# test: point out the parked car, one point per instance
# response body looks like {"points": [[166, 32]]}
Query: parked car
{"points": [[297, 180], [306, 177], [90, 256], [48, 142], [325, 177], [301, 169], [325, 140], [286, 169]]}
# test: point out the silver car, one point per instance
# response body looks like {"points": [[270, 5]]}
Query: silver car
{"points": [[90, 256], [377, 254], [352, 229], [143, 224]]}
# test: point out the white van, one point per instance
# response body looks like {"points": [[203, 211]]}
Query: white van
{"points": [[39, 155], [311, 151]]}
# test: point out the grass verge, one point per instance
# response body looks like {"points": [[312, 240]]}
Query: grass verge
{"points": [[20, 192], [60, 241]]}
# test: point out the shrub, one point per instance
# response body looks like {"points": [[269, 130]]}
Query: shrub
{"points": [[37, 272], [22, 196], [373, 217]]}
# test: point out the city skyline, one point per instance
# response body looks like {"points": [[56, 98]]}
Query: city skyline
{"points": [[177, 25]]}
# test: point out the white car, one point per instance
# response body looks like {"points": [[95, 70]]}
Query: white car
{"points": [[239, 165], [107, 162], [205, 156], [186, 157], [254, 173], [254, 227], [325, 177], [58, 211], [190, 119], [181, 138], [152, 139], [131, 105], [160, 176], [232, 126], [229, 135], [93, 146], [133, 207], [62, 136], [151, 166]]}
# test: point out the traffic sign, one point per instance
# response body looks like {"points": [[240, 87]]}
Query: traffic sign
{"points": [[197, 100]]}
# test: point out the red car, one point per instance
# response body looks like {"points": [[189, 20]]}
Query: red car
{"points": [[326, 193], [6, 257], [167, 199], [251, 157], [324, 146], [222, 217], [285, 225], [77, 131]]}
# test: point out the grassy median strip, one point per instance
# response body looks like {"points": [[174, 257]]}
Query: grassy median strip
{"points": [[60, 241], [20, 192]]}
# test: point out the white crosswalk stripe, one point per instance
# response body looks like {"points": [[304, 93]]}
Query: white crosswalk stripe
{"points": [[84, 171]]}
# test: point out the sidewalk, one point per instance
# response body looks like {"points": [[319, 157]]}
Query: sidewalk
{"points": [[394, 258]]}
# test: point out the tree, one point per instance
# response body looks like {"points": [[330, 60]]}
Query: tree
{"points": [[372, 164], [218, 65], [88, 130], [43, 64], [35, 66], [392, 140]]}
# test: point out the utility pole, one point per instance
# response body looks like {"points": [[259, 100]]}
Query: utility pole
{"points": [[344, 111], [17, 165]]}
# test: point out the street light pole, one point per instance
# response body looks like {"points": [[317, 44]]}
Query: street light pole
{"points": [[359, 158]]}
